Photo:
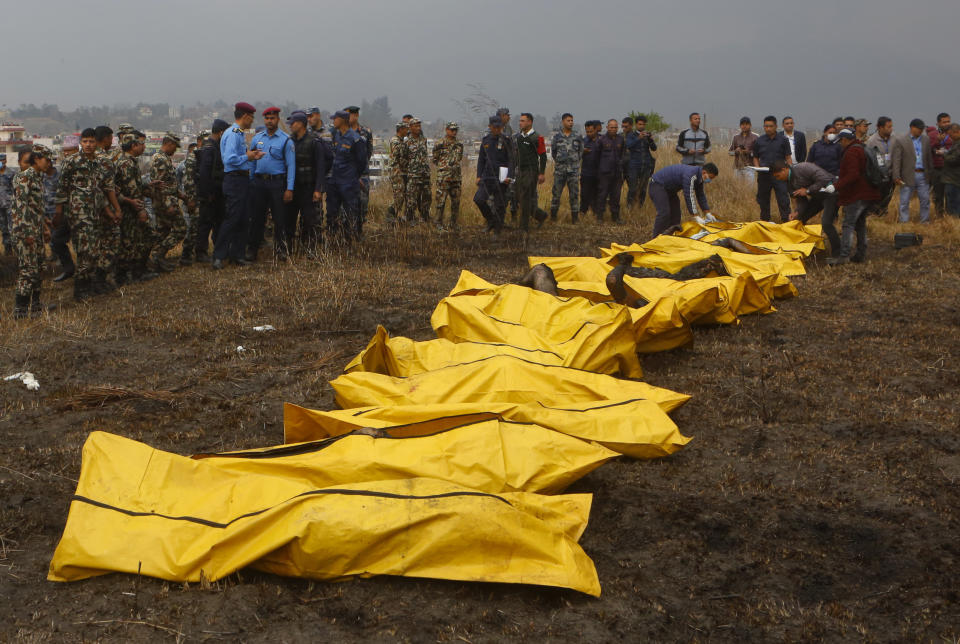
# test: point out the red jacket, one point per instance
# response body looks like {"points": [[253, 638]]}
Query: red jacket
{"points": [[851, 183], [937, 141]]}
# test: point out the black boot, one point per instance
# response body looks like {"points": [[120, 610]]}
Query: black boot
{"points": [[100, 284], [36, 306], [21, 306], [81, 289], [66, 274], [139, 272], [553, 214], [186, 257]]}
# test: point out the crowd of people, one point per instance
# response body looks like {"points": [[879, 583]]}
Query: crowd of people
{"points": [[217, 204]]}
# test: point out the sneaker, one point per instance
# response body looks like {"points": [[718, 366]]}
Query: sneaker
{"points": [[837, 261]]}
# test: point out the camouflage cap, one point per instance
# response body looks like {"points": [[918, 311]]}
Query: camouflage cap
{"points": [[170, 136], [203, 134], [401, 125], [127, 137], [414, 120], [859, 122], [125, 127], [39, 150], [453, 125], [503, 110]]}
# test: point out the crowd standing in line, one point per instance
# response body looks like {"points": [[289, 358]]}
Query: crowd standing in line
{"points": [[222, 194]]}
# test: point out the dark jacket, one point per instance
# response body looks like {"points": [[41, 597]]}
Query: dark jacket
{"points": [[938, 140], [638, 149], [209, 170], [799, 145], [312, 161], [611, 154], [531, 152], [495, 152], [349, 159], [826, 155], [591, 157], [851, 183], [809, 176], [688, 178]]}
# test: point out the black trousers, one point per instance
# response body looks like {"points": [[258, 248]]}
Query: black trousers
{"points": [[267, 193], [211, 214], [608, 192], [232, 238], [303, 208], [344, 221], [59, 238], [667, 205], [766, 183], [492, 188], [588, 194]]}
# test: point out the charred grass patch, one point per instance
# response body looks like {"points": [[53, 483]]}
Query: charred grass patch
{"points": [[817, 502]]}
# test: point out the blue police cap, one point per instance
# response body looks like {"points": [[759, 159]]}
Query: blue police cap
{"points": [[495, 120], [219, 125], [341, 114]]}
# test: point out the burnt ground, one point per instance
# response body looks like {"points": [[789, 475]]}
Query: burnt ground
{"points": [[817, 501]]}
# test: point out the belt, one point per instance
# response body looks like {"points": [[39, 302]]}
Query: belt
{"points": [[270, 177], [237, 173]]}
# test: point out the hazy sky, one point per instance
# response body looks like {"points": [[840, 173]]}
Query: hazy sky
{"points": [[814, 59]]}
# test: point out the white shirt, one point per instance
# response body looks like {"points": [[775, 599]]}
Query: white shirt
{"points": [[793, 149]]}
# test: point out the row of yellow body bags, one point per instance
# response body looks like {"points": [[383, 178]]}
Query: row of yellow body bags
{"points": [[448, 457]]}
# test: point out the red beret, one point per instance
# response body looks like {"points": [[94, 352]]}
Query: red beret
{"points": [[271, 110], [245, 107]]}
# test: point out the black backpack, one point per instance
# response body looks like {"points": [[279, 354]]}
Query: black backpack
{"points": [[877, 172]]}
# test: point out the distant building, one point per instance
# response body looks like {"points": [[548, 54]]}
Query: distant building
{"points": [[12, 138], [146, 112], [173, 112]]}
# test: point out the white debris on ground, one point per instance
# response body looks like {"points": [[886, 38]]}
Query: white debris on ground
{"points": [[265, 327], [27, 379], [241, 350]]}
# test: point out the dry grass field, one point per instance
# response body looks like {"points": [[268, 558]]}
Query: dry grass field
{"points": [[818, 500]]}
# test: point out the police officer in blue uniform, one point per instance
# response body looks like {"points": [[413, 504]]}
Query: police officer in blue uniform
{"points": [[272, 185], [496, 152], [237, 165], [344, 186]]}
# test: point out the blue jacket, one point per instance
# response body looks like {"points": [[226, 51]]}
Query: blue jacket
{"points": [[349, 159], [826, 155], [688, 178], [639, 149]]}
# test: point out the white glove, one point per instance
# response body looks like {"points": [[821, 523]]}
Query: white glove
{"points": [[829, 189]]}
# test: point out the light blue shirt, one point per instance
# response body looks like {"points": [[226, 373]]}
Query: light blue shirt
{"points": [[233, 150], [278, 155], [918, 150]]}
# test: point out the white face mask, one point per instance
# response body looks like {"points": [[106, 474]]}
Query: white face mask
{"points": [[831, 137]]}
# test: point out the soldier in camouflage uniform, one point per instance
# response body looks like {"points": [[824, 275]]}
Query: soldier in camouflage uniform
{"points": [[108, 229], [6, 196], [566, 150], [28, 230], [398, 172], [188, 184], [166, 197], [418, 174], [448, 157], [84, 188], [135, 231]]}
